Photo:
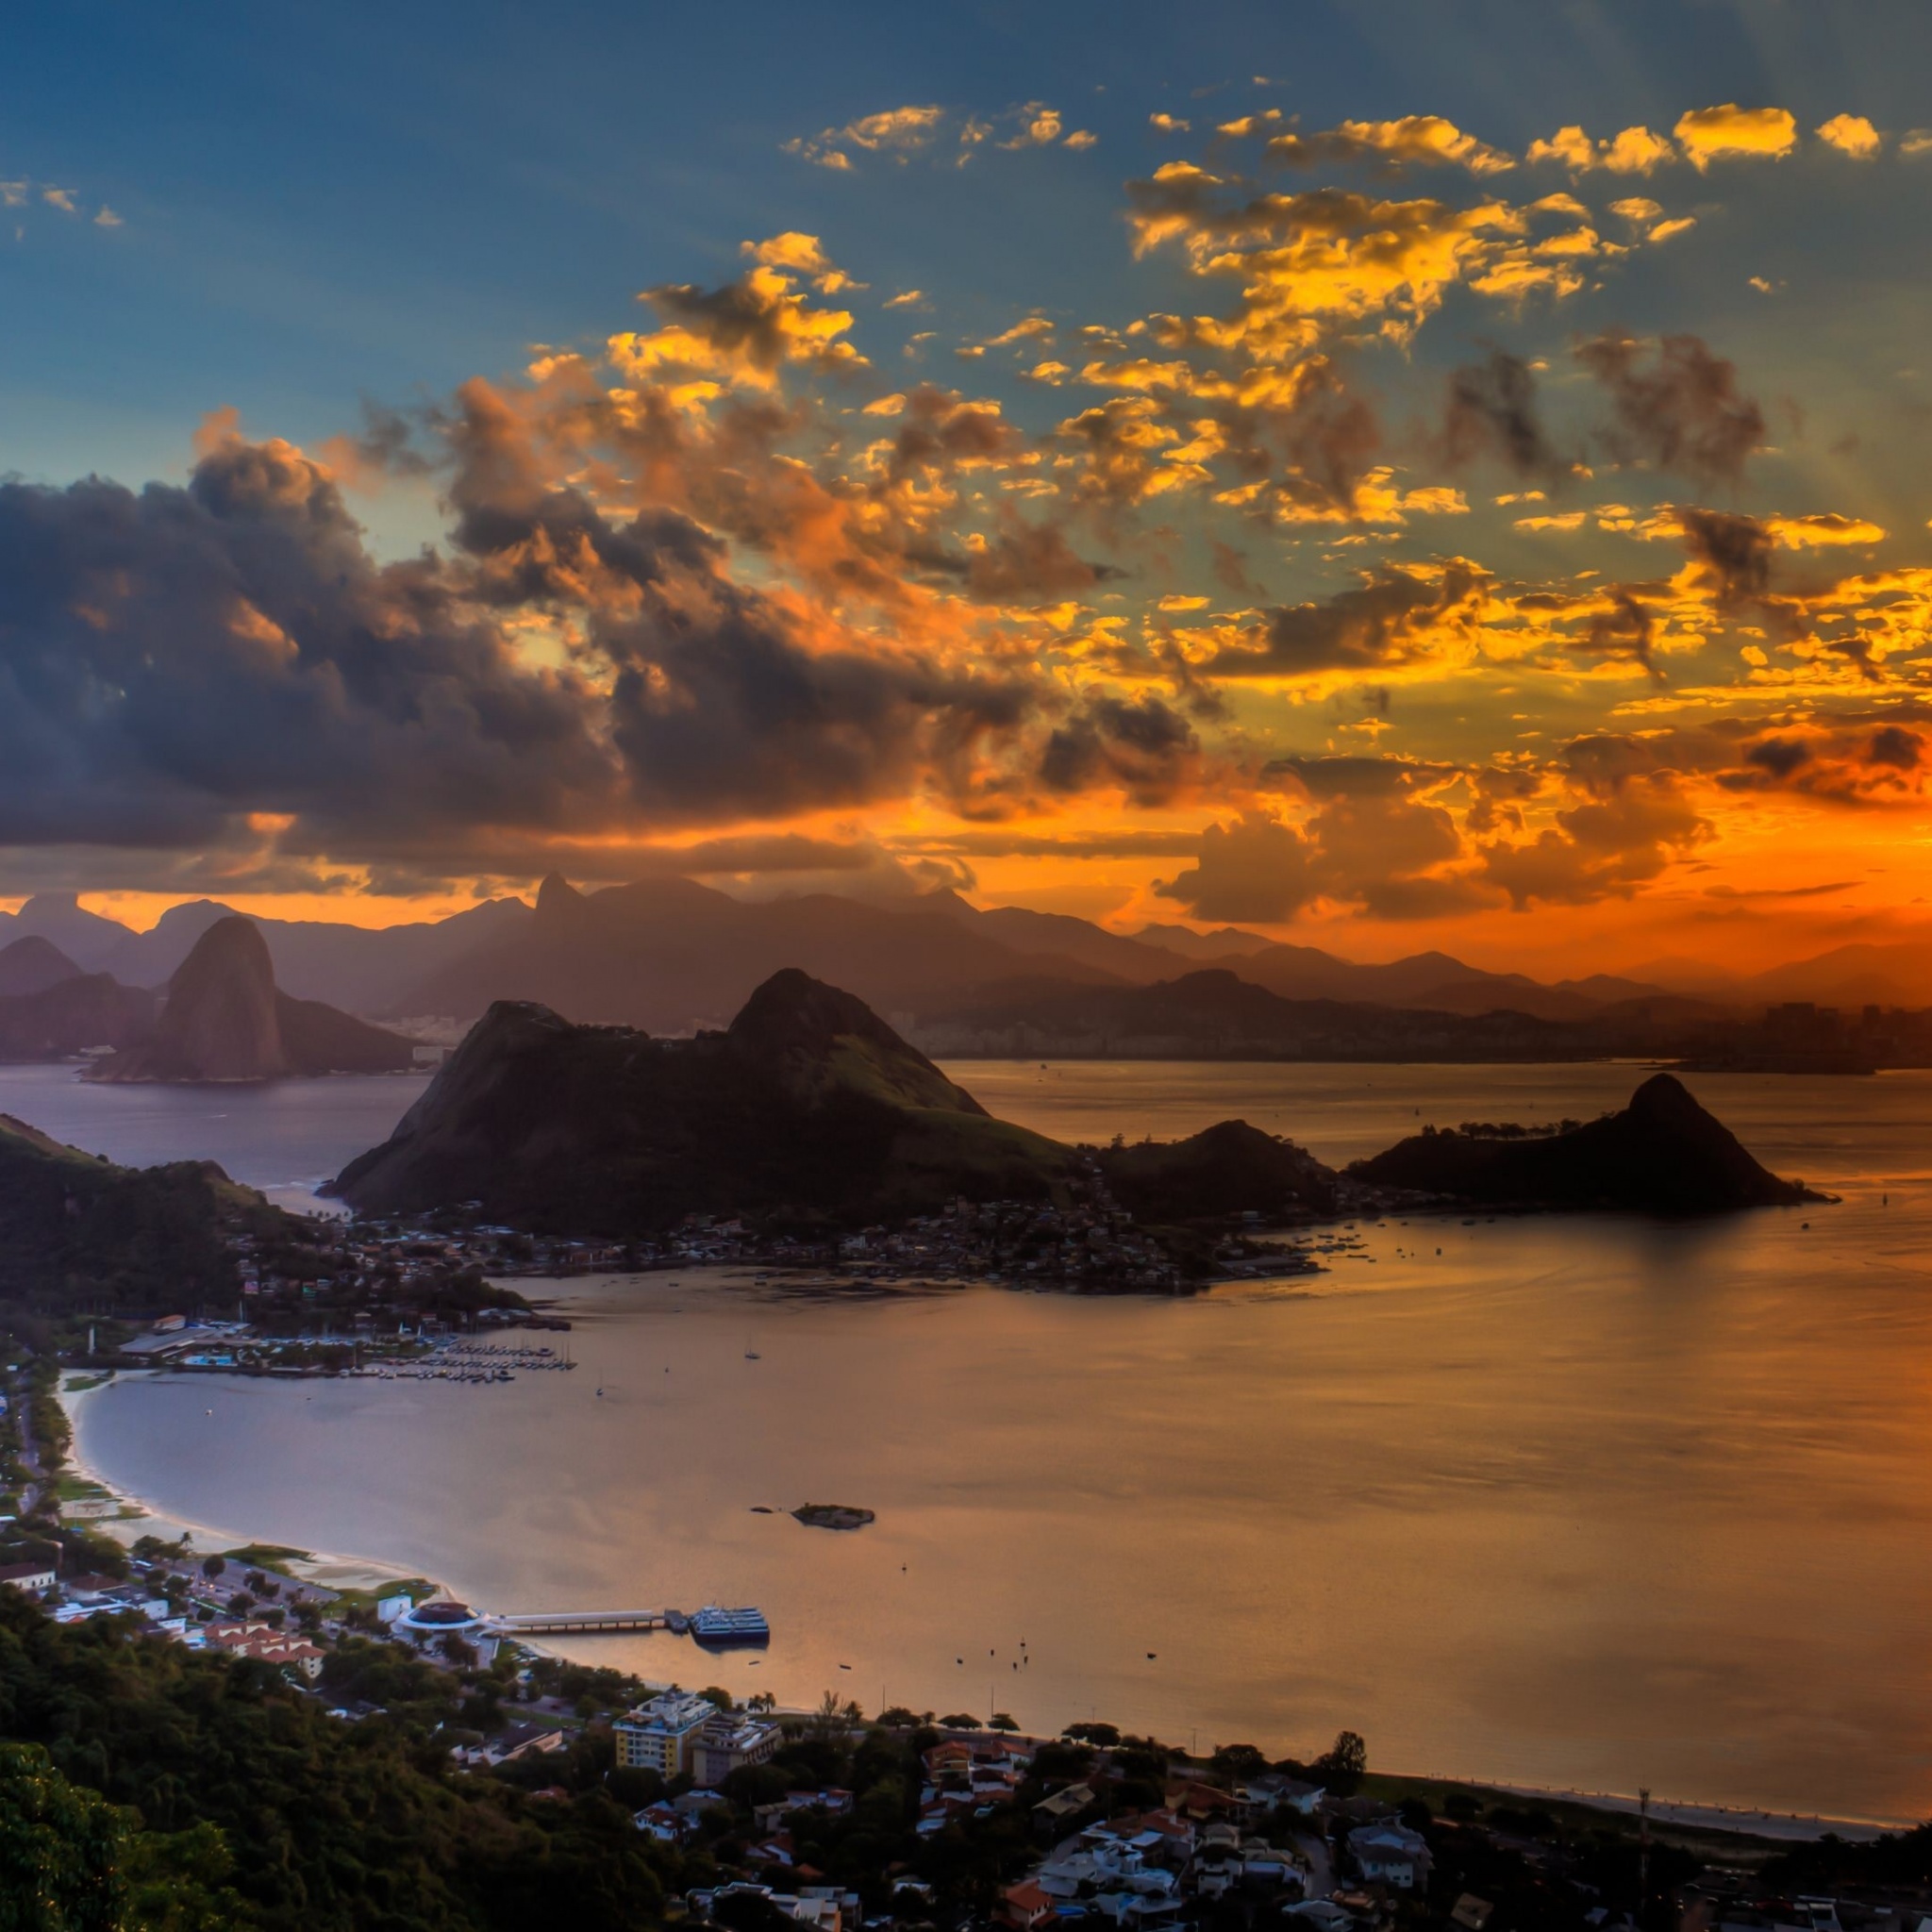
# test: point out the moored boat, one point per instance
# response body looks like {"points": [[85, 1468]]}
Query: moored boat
{"points": [[717, 1627]]}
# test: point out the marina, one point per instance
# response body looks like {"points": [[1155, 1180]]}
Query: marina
{"points": [[472, 1362]]}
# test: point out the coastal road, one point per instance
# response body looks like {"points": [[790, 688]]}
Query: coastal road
{"points": [[1320, 1868], [22, 1405]]}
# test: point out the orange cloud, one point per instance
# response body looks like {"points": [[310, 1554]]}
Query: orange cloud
{"points": [[740, 333], [1635, 151], [1425, 139], [1730, 132], [896, 132], [1851, 134]]}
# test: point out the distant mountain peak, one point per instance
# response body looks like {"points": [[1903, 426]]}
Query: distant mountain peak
{"points": [[555, 894], [32, 964], [225, 1020]]}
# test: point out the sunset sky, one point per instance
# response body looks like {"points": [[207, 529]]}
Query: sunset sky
{"points": [[1391, 473]]}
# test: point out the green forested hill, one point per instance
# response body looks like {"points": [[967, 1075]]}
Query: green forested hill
{"points": [[809, 1106], [79, 1235], [252, 1807]]}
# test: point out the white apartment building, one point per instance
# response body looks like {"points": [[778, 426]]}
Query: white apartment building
{"points": [[660, 1736]]}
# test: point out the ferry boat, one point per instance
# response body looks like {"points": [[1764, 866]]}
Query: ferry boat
{"points": [[719, 1628]]}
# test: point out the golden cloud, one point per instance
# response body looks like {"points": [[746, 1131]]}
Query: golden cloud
{"points": [[896, 131], [1851, 134], [737, 334], [1635, 151], [1708, 134], [1826, 530], [1424, 140]]}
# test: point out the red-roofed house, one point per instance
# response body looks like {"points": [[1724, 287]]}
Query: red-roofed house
{"points": [[1024, 1907]]}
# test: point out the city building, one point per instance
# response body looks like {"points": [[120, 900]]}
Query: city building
{"points": [[659, 1736], [1392, 1854], [727, 1741]]}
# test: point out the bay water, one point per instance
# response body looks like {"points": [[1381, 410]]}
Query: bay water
{"points": [[1586, 1502]]}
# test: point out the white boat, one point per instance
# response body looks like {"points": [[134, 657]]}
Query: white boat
{"points": [[718, 1627]]}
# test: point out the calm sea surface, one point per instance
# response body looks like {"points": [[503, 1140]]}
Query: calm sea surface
{"points": [[1583, 1502]]}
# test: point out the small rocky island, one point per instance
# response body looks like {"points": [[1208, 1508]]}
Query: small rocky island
{"points": [[1663, 1154], [833, 1516]]}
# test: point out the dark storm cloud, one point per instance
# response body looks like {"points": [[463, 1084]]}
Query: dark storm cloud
{"points": [[1142, 745], [1734, 551], [1330, 436], [1353, 777], [223, 667], [1386, 855], [1492, 411], [175, 661], [1842, 761], [1623, 628], [1397, 617], [1853, 761], [718, 708], [1030, 563], [1781, 756], [1677, 406], [1893, 746], [940, 430]]}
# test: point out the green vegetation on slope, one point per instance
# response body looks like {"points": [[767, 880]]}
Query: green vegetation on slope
{"points": [[262, 1811], [808, 1110], [78, 1235]]}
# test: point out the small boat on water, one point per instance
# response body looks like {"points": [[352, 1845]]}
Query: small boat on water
{"points": [[718, 1628]]}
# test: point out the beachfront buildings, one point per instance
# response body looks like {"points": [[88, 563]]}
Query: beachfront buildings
{"points": [[662, 1734], [728, 1741]]}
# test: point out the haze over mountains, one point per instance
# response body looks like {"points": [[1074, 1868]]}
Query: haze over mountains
{"points": [[224, 1019], [673, 956], [363, 969]]}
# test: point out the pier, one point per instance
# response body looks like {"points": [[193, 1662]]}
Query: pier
{"points": [[589, 1622]]}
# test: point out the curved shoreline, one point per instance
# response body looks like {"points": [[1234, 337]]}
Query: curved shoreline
{"points": [[608, 1296], [333, 1571]]}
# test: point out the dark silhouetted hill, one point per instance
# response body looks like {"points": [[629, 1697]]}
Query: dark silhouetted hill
{"points": [[1228, 1169], [225, 1020], [1663, 1153], [32, 965], [75, 1016], [79, 1235], [809, 1106]]}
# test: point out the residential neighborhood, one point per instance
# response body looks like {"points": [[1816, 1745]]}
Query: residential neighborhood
{"points": [[757, 1819]]}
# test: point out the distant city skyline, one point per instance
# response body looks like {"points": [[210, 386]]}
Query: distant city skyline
{"points": [[1390, 476]]}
